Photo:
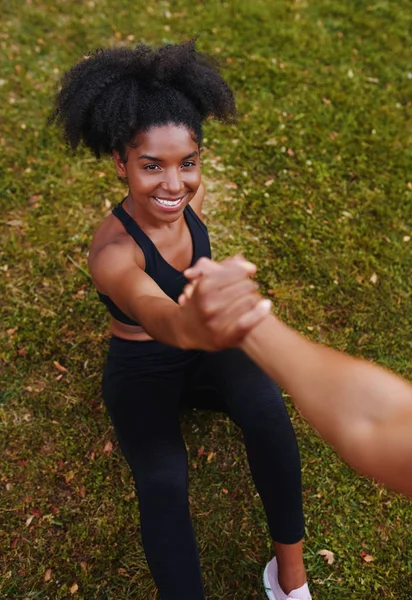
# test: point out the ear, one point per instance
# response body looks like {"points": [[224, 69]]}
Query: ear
{"points": [[120, 165]]}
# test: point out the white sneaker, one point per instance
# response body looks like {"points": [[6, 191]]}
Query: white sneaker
{"points": [[273, 589]]}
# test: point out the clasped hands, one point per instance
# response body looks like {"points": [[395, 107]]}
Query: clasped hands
{"points": [[223, 302]]}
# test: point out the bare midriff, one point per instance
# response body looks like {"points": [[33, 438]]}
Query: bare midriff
{"points": [[129, 332]]}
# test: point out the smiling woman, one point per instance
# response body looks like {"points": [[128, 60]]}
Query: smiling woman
{"points": [[146, 108]]}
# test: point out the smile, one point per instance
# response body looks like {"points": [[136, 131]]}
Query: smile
{"points": [[169, 203]]}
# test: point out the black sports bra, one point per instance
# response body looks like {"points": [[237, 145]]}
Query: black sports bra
{"points": [[169, 279]]}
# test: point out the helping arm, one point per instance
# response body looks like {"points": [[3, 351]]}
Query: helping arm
{"points": [[362, 410]]}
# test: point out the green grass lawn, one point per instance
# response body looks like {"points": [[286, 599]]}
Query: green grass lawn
{"points": [[313, 183]]}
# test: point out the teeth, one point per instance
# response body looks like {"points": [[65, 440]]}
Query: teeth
{"points": [[168, 202]]}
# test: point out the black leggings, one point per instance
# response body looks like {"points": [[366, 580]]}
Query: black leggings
{"points": [[144, 385]]}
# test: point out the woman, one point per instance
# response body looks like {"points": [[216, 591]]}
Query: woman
{"points": [[146, 108]]}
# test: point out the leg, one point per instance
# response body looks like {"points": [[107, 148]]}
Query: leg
{"points": [[143, 406], [256, 405]]}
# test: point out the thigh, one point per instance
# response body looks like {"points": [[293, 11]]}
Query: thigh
{"points": [[142, 388], [238, 386], [200, 389]]}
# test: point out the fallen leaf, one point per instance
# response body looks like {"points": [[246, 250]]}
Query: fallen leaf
{"points": [[269, 182], [34, 200], [368, 558], [69, 476], [29, 520], [74, 588], [21, 352], [290, 152], [328, 556], [374, 278], [326, 101], [200, 452], [108, 449], [60, 367], [47, 575], [210, 456], [15, 223], [13, 330]]}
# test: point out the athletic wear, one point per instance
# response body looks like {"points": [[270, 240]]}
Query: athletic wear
{"points": [[144, 385], [169, 279]]}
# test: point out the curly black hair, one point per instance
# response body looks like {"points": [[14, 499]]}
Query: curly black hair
{"points": [[113, 94]]}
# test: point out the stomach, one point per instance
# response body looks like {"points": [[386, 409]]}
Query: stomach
{"points": [[129, 332]]}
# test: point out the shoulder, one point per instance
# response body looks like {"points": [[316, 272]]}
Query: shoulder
{"points": [[197, 201], [113, 250]]}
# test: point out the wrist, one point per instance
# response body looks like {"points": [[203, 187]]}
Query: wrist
{"points": [[253, 338], [183, 330]]}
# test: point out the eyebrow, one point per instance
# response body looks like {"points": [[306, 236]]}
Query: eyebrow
{"points": [[154, 159]]}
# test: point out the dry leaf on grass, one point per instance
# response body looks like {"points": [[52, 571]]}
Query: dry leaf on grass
{"points": [[60, 367], [328, 556], [108, 449], [368, 558]]}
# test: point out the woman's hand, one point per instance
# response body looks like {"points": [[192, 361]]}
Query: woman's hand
{"points": [[221, 304]]}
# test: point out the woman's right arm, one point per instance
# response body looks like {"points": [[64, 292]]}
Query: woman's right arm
{"points": [[116, 273]]}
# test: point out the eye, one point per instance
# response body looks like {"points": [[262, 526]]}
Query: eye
{"points": [[188, 163], [151, 167]]}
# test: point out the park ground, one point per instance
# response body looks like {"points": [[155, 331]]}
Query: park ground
{"points": [[313, 183]]}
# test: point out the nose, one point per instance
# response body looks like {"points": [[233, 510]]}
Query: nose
{"points": [[173, 182]]}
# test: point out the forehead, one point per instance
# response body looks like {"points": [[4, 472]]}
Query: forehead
{"points": [[166, 140]]}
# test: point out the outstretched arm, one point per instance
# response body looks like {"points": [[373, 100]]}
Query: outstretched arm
{"points": [[362, 410]]}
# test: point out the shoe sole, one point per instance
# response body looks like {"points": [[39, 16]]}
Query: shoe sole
{"points": [[266, 584]]}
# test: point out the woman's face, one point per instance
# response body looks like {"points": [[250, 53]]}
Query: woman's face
{"points": [[162, 171]]}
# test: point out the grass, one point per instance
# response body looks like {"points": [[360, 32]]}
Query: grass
{"points": [[313, 184]]}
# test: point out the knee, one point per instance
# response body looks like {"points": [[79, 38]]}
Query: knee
{"points": [[262, 413], [164, 481]]}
